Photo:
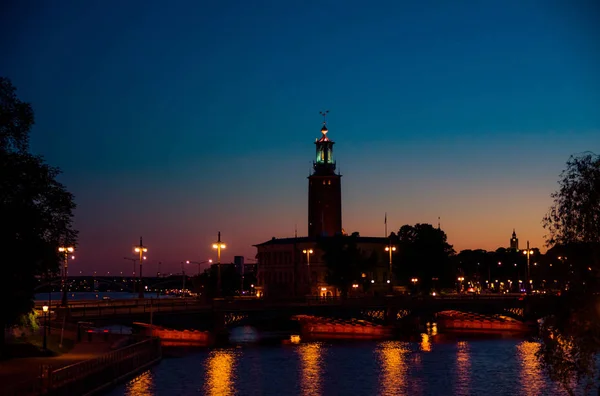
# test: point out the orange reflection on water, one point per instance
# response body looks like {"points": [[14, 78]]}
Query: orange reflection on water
{"points": [[392, 355], [219, 373], [425, 343], [530, 376], [142, 385], [463, 368], [311, 358]]}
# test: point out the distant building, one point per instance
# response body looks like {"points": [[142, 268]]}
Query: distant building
{"points": [[286, 266], [243, 268], [514, 241]]}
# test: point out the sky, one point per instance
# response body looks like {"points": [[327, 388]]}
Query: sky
{"points": [[176, 120]]}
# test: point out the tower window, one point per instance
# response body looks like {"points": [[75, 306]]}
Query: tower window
{"points": [[329, 182], [323, 182]]}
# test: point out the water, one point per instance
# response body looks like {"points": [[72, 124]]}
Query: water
{"points": [[454, 367]]}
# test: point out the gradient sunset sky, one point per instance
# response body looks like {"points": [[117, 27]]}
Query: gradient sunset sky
{"points": [[175, 120]]}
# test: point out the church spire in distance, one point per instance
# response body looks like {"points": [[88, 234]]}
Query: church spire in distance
{"points": [[514, 241]]}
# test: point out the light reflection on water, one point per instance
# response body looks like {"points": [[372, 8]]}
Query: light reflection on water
{"points": [[220, 372], [392, 357], [142, 385], [431, 366], [311, 359], [531, 377], [463, 368]]}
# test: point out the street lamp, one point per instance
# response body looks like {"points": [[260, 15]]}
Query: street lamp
{"points": [[390, 249], [141, 249], [308, 252], [460, 281], [65, 250], [199, 263], [45, 309], [219, 245], [528, 252]]}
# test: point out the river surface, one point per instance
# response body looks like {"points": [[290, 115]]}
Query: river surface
{"points": [[430, 367]]}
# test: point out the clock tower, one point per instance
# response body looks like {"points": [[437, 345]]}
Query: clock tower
{"points": [[324, 190]]}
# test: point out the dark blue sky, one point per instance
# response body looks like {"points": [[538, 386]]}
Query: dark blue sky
{"points": [[174, 120]]}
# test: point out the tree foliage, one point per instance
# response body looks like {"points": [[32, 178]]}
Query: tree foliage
{"points": [[575, 214], [423, 252], [345, 261], [571, 335], [36, 210]]}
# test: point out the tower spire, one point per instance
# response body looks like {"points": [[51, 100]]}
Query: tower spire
{"points": [[324, 114], [324, 190]]}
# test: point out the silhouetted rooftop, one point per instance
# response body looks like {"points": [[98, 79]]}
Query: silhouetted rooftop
{"points": [[289, 241]]}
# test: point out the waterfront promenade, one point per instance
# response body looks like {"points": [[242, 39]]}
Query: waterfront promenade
{"points": [[16, 371]]}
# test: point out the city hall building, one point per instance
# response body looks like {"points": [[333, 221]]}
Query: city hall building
{"points": [[290, 267]]}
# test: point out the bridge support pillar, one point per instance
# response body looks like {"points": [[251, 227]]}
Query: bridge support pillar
{"points": [[390, 315], [220, 331]]}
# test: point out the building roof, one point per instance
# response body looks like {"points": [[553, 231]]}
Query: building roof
{"points": [[289, 241]]}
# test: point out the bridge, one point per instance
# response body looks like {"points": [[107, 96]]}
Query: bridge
{"points": [[188, 312], [114, 283]]}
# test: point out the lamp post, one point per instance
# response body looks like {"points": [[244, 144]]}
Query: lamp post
{"points": [[308, 252], [390, 249], [65, 250], [45, 309], [141, 249], [563, 268], [414, 282], [199, 263], [218, 246], [528, 252], [182, 280], [460, 281]]}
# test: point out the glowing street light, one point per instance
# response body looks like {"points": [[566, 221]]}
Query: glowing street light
{"points": [[460, 280], [218, 246], [390, 249], [199, 263], [528, 252], [141, 249], [65, 250], [45, 309], [308, 252]]}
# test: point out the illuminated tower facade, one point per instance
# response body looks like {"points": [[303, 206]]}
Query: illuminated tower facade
{"points": [[324, 190], [514, 241]]}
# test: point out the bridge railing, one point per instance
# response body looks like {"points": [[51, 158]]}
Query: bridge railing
{"points": [[90, 375], [143, 306], [82, 377], [133, 307]]}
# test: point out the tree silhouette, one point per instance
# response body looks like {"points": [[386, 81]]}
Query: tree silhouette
{"points": [[423, 252], [571, 336], [344, 260], [36, 211]]}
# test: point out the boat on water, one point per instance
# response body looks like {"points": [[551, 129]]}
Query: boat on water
{"points": [[328, 328], [172, 337], [469, 322]]}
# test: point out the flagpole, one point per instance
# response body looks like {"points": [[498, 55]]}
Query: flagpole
{"points": [[385, 222]]}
